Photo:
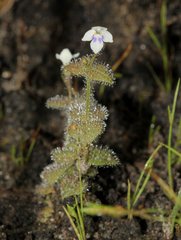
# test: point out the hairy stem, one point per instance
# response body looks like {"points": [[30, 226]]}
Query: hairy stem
{"points": [[88, 98], [88, 90]]}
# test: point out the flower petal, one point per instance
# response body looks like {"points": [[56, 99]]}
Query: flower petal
{"points": [[88, 35], [75, 55], [96, 46], [107, 36], [99, 29], [65, 56]]}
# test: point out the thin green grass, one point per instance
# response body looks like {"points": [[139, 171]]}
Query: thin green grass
{"points": [[77, 214], [155, 76], [173, 215], [152, 131], [72, 223], [177, 143], [148, 167], [22, 160], [171, 114], [162, 49]]}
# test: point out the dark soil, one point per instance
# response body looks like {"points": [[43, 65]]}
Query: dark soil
{"points": [[31, 32]]}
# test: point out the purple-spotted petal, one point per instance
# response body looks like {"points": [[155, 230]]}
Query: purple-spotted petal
{"points": [[88, 35], [107, 36], [97, 35], [99, 39], [94, 39], [96, 46]]}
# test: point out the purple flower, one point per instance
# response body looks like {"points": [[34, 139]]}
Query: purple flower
{"points": [[97, 35]]}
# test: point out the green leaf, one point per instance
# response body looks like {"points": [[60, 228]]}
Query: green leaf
{"points": [[45, 213], [57, 102], [96, 111], [97, 72], [69, 183], [102, 157], [86, 131], [63, 156], [100, 73], [77, 68], [70, 145], [71, 189], [92, 172], [72, 211], [52, 172], [44, 188]]}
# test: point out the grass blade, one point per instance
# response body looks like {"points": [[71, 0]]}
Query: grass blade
{"points": [[171, 114], [146, 167], [72, 223], [155, 76], [154, 38]]}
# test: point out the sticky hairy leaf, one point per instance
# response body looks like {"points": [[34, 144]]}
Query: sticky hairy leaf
{"points": [[52, 172], [57, 102], [101, 74], [95, 72], [44, 188], [63, 156], [77, 109], [86, 131], [101, 157], [69, 183]]}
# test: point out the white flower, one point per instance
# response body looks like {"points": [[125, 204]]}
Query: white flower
{"points": [[98, 35], [65, 56]]}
